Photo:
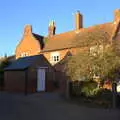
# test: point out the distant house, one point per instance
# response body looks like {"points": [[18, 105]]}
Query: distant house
{"points": [[55, 47]]}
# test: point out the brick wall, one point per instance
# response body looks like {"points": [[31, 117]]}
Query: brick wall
{"points": [[14, 81], [28, 45], [62, 53]]}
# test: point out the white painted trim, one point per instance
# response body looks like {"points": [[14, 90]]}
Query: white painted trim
{"points": [[52, 55]]}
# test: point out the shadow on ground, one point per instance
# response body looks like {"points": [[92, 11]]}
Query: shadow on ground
{"points": [[48, 106]]}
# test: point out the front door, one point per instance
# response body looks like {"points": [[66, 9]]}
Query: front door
{"points": [[40, 80]]}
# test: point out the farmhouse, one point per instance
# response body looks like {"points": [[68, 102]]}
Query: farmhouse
{"points": [[49, 52]]}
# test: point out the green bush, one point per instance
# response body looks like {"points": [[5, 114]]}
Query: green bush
{"points": [[103, 98], [84, 88], [89, 92], [89, 88], [104, 94]]}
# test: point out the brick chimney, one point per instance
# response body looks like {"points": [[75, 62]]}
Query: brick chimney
{"points": [[51, 29], [78, 20], [28, 30], [116, 15]]}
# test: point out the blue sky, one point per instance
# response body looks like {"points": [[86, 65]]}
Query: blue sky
{"points": [[15, 14]]}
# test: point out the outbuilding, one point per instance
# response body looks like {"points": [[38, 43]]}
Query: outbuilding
{"points": [[29, 74]]}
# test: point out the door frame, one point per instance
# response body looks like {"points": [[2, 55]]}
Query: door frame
{"points": [[37, 77]]}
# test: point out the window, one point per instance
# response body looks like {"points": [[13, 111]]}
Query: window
{"points": [[55, 57], [24, 54], [95, 50]]}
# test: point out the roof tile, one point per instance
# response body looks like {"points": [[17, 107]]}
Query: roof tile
{"points": [[68, 39]]}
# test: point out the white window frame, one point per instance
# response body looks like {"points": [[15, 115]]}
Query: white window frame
{"points": [[55, 57], [24, 54], [94, 50]]}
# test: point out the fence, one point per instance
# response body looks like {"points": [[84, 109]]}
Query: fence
{"points": [[75, 88]]}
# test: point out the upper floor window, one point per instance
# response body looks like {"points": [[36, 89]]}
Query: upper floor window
{"points": [[55, 57], [95, 50]]}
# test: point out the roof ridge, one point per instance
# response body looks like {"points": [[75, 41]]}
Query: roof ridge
{"points": [[37, 34], [80, 29]]}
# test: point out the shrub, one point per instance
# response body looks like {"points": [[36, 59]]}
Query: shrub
{"points": [[89, 88], [104, 94], [104, 97]]}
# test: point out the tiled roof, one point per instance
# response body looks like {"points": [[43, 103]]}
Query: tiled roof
{"points": [[68, 39], [11, 58], [25, 62]]}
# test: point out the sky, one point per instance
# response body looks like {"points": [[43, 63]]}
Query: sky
{"points": [[15, 14]]}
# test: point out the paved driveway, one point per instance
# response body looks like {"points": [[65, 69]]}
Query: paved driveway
{"points": [[48, 106]]}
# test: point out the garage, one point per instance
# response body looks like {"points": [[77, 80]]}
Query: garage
{"points": [[29, 74]]}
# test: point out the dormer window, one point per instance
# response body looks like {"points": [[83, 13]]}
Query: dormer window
{"points": [[55, 57]]}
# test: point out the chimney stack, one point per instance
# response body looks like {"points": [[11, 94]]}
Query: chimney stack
{"points": [[27, 30], [78, 20], [117, 15], [51, 28]]}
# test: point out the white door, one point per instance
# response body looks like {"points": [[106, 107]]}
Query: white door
{"points": [[41, 80]]}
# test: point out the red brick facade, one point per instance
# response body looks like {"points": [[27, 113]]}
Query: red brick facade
{"points": [[29, 45]]}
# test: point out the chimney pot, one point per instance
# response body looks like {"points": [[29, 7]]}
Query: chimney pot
{"points": [[78, 20], [27, 30], [51, 28], [116, 15]]}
